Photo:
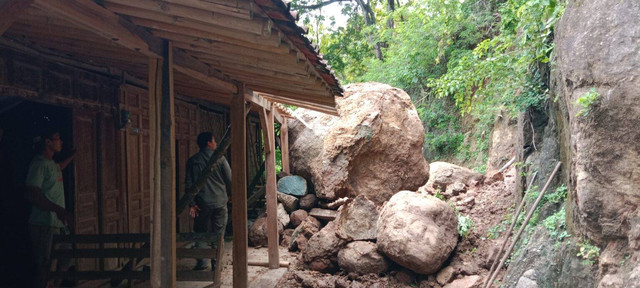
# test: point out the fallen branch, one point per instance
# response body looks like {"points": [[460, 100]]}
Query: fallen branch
{"points": [[507, 165], [524, 225], [335, 204], [206, 173]]}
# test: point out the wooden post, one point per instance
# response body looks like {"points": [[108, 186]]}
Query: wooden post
{"points": [[239, 188], [167, 217], [155, 91], [266, 119], [284, 145]]}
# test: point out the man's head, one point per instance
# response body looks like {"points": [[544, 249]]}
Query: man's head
{"points": [[206, 139], [48, 140]]}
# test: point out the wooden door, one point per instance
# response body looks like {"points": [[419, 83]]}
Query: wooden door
{"points": [[86, 200], [137, 162]]}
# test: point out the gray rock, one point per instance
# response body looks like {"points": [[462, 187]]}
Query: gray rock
{"points": [[443, 174], [308, 202], [324, 214], [634, 278], [358, 220], [528, 280], [417, 231], [362, 257], [293, 185], [289, 202], [611, 281]]}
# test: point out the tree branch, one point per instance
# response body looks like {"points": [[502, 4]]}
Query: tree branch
{"points": [[318, 5]]}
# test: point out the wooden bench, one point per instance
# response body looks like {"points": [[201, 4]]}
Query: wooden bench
{"points": [[135, 247]]}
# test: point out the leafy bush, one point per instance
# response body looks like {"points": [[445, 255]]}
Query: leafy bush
{"points": [[465, 225], [556, 225], [588, 252], [558, 196]]}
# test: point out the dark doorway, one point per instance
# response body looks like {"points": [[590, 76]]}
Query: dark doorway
{"points": [[19, 121]]}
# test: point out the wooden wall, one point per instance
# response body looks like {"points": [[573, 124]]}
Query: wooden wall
{"points": [[112, 164]]}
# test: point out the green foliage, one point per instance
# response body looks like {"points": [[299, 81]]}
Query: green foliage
{"points": [[465, 225], [587, 100], [556, 225], [588, 252], [439, 195], [494, 232], [558, 196]]}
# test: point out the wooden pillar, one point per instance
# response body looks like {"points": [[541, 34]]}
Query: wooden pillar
{"points": [[266, 119], [239, 188], [163, 231], [284, 145]]}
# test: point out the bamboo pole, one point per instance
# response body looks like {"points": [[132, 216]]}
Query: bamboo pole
{"points": [[506, 238], [524, 225]]}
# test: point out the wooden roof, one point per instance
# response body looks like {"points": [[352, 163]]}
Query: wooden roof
{"points": [[218, 44]]}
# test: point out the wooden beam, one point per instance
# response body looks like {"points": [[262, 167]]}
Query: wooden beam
{"points": [[239, 9], [222, 85], [218, 45], [249, 96], [284, 145], [324, 108], [167, 161], [86, 13], [10, 10], [256, 26], [155, 96], [90, 15], [239, 189], [266, 120]]}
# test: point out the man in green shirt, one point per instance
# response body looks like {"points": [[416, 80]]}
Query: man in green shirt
{"points": [[45, 191], [209, 207]]}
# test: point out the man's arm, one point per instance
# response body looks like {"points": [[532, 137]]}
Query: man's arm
{"points": [[226, 175], [64, 163], [34, 196]]}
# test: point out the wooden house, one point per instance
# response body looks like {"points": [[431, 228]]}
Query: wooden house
{"points": [[132, 83]]}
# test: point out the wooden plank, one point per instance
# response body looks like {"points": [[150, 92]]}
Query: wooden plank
{"points": [[284, 264], [221, 85], [284, 145], [101, 253], [256, 26], [167, 182], [235, 10], [107, 238], [205, 43], [324, 108], [257, 100], [195, 276], [10, 10], [196, 253], [94, 275], [266, 117], [239, 189], [324, 214]]}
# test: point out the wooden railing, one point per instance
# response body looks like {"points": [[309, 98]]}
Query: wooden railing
{"points": [[138, 249]]}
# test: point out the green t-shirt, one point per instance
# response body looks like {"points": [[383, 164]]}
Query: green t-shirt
{"points": [[46, 174]]}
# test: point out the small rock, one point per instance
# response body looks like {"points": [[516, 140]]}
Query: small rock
{"points": [[445, 275], [358, 220], [324, 214], [362, 257], [286, 237], [283, 217], [343, 283], [289, 202], [493, 177], [308, 202], [456, 189], [258, 232], [528, 280], [297, 217], [474, 281], [322, 249], [293, 185]]}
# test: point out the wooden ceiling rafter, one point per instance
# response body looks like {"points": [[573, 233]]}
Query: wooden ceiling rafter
{"points": [[10, 11], [213, 44], [256, 25], [111, 26]]}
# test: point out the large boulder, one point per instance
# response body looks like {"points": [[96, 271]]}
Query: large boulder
{"points": [[602, 146], [417, 231], [322, 249], [362, 257], [443, 174], [293, 185], [358, 220], [374, 148]]}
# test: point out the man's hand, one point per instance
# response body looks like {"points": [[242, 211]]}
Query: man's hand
{"points": [[193, 211], [66, 217]]}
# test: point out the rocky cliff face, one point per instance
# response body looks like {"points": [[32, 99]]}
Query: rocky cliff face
{"points": [[598, 56]]}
